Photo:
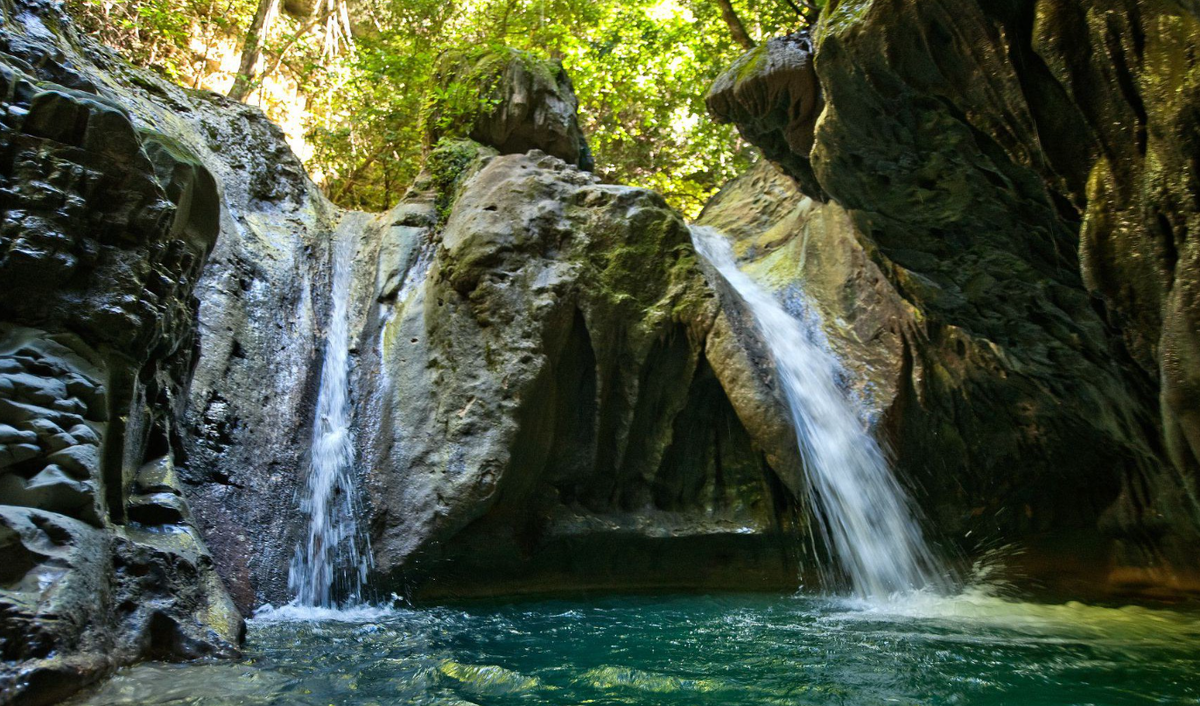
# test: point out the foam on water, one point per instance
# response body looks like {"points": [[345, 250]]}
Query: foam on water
{"points": [[978, 614], [293, 613], [866, 516]]}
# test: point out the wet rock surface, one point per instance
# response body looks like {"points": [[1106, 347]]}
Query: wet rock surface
{"points": [[1021, 173], [104, 230], [516, 329]]}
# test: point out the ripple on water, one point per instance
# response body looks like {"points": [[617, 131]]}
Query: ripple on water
{"points": [[726, 650]]}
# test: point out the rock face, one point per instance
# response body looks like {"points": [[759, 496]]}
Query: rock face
{"points": [[547, 413], [811, 256], [546, 394], [510, 100], [771, 94], [264, 302], [1023, 175], [105, 227]]}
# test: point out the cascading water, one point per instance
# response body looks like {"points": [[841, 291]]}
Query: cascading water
{"points": [[333, 559], [868, 520]]}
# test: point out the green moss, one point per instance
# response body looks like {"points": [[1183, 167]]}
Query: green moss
{"points": [[751, 63], [447, 165], [471, 83], [465, 88], [651, 277], [391, 331], [843, 15]]}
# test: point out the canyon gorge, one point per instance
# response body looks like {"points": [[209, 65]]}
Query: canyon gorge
{"points": [[982, 210]]}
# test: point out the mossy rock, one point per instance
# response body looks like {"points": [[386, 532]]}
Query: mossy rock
{"points": [[446, 168], [771, 94], [507, 99]]}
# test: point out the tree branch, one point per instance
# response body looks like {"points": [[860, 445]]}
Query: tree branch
{"points": [[358, 172], [736, 28], [252, 50], [291, 42], [811, 13]]}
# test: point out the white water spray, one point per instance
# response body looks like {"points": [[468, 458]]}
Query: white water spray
{"points": [[333, 560], [866, 516]]}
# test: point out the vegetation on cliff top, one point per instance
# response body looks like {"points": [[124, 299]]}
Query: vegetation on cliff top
{"points": [[348, 79]]}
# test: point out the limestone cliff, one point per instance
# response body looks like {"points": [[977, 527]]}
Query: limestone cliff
{"points": [[540, 371], [106, 226], [546, 394], [1023, 174]]}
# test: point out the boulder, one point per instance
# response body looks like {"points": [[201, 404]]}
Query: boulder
{"points": [[772, 95], [509, 100], [547, 415]]}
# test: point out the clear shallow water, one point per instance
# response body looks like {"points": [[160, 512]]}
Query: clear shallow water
{"points": [[727, 650]]}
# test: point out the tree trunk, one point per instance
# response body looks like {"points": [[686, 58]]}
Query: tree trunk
{"points": [[736, 28], [252, 50]]}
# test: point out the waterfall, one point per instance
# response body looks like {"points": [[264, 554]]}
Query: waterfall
{"points": [[332, 561], [866, 517]]}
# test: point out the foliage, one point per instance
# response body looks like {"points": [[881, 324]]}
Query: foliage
{"points": [[466, 86], [162, 34], [640, 69], [446, 165]]}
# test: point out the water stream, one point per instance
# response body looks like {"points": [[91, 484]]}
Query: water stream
{"points": [[866, 516], [330, 564]]}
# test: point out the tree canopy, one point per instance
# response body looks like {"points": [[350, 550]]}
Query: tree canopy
{"points": [[361, 72]]}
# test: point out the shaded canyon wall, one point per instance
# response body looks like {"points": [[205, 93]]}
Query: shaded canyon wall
{"points": [[1015, 182], [106, 226]]}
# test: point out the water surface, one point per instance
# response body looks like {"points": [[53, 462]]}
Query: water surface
{"points": [[695, 650]]}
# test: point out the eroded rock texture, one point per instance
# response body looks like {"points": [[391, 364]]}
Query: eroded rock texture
{"points": [[771, 94], [1024, 176], [105, 227], [264, 304], [510, 100], [549, 413]]}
